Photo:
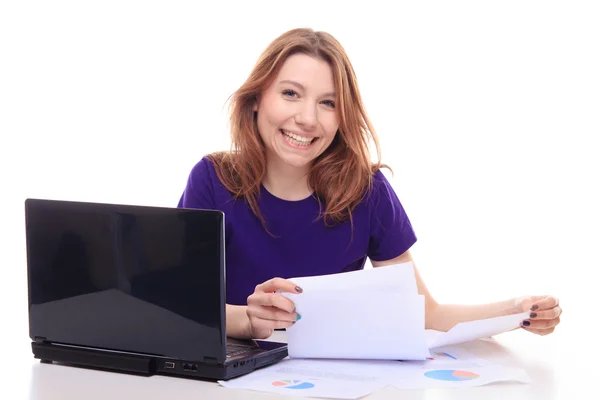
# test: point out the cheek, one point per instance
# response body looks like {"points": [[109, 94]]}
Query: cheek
{"points": [[274, 112], [265, 121], [330, 126], [261, 125]]}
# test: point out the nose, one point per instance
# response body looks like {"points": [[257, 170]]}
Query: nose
{"points": [[307, 116]]}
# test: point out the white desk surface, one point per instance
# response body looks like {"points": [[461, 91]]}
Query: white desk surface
{"points": [[557, 370]]}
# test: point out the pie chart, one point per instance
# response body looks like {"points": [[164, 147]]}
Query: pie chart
{"points": [[453, 375], [293, 384]]}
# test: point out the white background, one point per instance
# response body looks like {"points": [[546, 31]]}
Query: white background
{"points": [[488, 112]]}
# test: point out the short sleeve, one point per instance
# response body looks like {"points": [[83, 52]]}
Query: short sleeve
{"points": [[391, 232], [199, 191]]}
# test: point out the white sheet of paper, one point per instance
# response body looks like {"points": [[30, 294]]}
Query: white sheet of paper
{"points": [[452, 366], [449, 367], [456, 375], [342, 314], [478, 329], [449, 357], [371, 325], [400, 277], [318, 378]]}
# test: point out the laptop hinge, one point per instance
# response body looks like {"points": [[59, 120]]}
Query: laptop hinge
{"points": [[39, 339], [210, 360]]}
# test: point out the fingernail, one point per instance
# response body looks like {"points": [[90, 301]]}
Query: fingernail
{"points": [[298, 317], [526, 323], [532, 315], [298, 289], [534, 307]]}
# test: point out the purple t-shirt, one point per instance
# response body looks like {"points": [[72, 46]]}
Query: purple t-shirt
{"points": [[302, 246]]}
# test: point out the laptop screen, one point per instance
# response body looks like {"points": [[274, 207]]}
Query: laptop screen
{"points": [[127, 278]]}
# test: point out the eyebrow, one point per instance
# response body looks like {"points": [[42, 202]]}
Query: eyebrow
{"points": [[299, 85]]}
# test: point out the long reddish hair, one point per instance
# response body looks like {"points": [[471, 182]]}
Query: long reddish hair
{"points": [[342, 175]]}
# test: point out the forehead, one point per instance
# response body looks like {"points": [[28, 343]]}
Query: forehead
{"points": [[314, 74]]}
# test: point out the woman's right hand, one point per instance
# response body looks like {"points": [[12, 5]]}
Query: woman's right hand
{"points": [[268, 310]]}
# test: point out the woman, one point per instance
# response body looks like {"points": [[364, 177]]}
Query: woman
{"points": [[302, 197]]}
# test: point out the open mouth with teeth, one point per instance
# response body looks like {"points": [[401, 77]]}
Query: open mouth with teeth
{"points": [[296, 140]]}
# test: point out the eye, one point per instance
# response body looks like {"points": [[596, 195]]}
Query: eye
{"points": [[289, 93], [329, 103]]}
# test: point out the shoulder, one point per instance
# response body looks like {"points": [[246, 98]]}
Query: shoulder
{"points": [[380, 189], [209, 167], [204, 189], [203, 169], [390, 227], [204, 176], [380, 181], [382, 199]]}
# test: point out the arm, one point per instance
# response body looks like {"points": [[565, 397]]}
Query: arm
{"points": [[391, 233], [238, 323], [443, 317]]}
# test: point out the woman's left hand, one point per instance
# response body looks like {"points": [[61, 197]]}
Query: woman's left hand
{"points": [[544, 314]]}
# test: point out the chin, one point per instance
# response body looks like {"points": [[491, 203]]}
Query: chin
{"points": [[297, 162]]}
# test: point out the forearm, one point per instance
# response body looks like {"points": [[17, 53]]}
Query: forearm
{"points": [[237, 322], [442, 317]]}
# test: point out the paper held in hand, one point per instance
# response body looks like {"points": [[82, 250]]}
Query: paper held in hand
{"points": [[374, 314]]}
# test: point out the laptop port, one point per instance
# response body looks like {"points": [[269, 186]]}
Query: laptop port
{"points": [[190, 367], [169, 365]]}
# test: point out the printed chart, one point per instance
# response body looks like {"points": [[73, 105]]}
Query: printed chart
{"points": [[452, 375], [294, 384]]}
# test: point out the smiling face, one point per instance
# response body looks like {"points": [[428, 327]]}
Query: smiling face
{"points": [[297, 118]]}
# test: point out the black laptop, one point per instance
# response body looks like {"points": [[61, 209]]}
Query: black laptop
{"points": [[133, 289]]}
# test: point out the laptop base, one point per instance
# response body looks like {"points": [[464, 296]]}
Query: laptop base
{"points": [[148, 365]]}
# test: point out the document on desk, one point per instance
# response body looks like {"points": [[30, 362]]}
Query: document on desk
{"points": [[447, 367], [318, 378], [452, 366], [371, 314]]}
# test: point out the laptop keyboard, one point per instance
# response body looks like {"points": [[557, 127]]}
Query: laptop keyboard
{"points": [[234, 350]]}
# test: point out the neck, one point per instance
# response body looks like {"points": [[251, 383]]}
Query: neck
{"points": [[287, 182]]}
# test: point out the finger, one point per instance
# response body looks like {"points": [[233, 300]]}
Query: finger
{"points": [[271, 314], [276, 284], [262, 329], [259, 324], [545, 303], [272, 300], [282, 324], [542, 332], [541, 324], [546, 314]]}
